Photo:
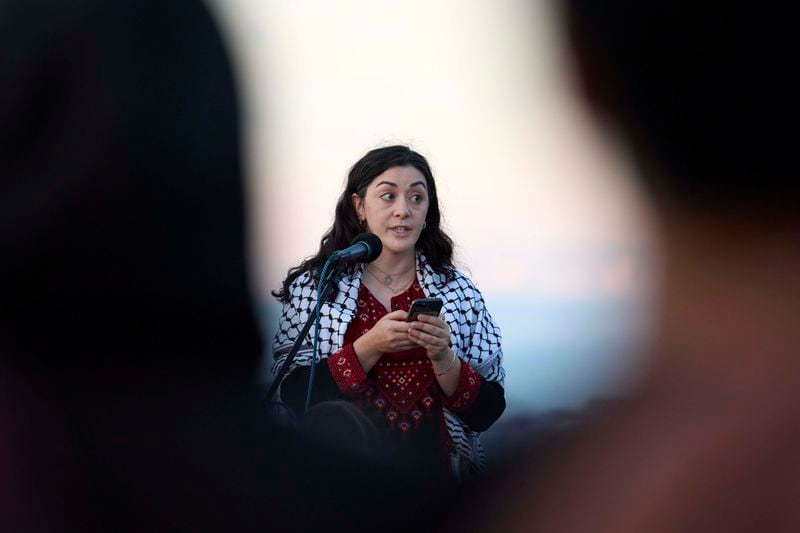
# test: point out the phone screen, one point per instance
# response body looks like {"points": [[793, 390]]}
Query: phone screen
{"points": [[424, 306]]}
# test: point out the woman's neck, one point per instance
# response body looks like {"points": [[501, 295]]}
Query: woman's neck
{"points": [[392, 264]]}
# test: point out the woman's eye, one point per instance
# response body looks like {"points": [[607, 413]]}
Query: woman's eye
{"points": [[387, 196], [417, 198]]}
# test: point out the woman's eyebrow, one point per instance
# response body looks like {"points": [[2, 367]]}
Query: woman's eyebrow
{"points": [[415, 184]]}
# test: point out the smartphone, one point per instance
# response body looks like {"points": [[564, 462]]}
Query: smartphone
{"points": [[424, 306]]}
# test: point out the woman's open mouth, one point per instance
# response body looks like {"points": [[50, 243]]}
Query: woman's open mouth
{"points": [[400, 230]]}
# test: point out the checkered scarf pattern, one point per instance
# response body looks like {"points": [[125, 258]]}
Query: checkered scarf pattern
{"points": [[474, 335]]}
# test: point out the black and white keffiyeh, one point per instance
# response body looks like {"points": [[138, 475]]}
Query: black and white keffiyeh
{"points": [[474, 335]]}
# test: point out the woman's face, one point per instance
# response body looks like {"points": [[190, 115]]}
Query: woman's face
{"points": [[395, 206]]}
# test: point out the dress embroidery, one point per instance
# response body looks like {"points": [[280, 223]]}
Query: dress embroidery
{"points": [[402, 385], [400, 381]]}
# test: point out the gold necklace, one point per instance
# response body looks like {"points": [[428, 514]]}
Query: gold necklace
{"points": [[387, 280], [388, 285]]}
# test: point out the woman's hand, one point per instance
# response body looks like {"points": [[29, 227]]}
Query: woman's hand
{"points": [[389, 334], [433, 334]]}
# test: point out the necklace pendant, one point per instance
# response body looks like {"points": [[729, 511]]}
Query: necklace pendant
{"points": [[387, 280]]}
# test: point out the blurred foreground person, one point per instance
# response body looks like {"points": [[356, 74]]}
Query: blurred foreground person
{"points": [[705, 99], [128, 345], [126, 335]]}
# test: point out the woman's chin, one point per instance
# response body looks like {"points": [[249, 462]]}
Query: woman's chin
{"points": [[398, 248]]}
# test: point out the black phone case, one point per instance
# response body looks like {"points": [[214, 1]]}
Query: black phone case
{"points": [[424, 306]]}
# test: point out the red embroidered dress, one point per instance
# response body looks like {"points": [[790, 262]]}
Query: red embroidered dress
{"points": [[401, 392]]}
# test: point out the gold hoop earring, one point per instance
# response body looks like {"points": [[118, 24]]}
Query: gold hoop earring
{"points": [[362, 222]]}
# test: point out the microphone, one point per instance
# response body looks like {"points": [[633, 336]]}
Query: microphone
{"points": [[365, 247]]}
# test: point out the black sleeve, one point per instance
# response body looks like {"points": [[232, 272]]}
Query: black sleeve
{"points": [[295, 387], [488, 407]]}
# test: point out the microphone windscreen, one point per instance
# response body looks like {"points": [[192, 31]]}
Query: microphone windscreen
{"points": [[373, 243]]}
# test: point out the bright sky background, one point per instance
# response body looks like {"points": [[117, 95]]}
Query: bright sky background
{"points": [[542, 208]]}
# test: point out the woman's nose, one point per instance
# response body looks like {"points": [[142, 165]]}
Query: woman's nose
{"points": [[402, 210]]}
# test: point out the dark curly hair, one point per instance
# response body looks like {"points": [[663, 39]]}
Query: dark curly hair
{"points": [[433, 242]]}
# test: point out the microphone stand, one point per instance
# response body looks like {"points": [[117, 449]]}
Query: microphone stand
{"points": [[327, 287], [366, 244]]}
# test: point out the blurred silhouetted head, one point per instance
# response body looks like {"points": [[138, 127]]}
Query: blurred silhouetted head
{"points": [[704, 93], [121, 204], [341, 426]]}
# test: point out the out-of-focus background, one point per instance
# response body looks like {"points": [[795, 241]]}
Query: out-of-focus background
{"points": [[545, 217]]}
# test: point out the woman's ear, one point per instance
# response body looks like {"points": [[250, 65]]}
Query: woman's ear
{"points": [[358, 205]]}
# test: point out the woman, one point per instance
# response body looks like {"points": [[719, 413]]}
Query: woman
{"points": [[428, 385]]}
